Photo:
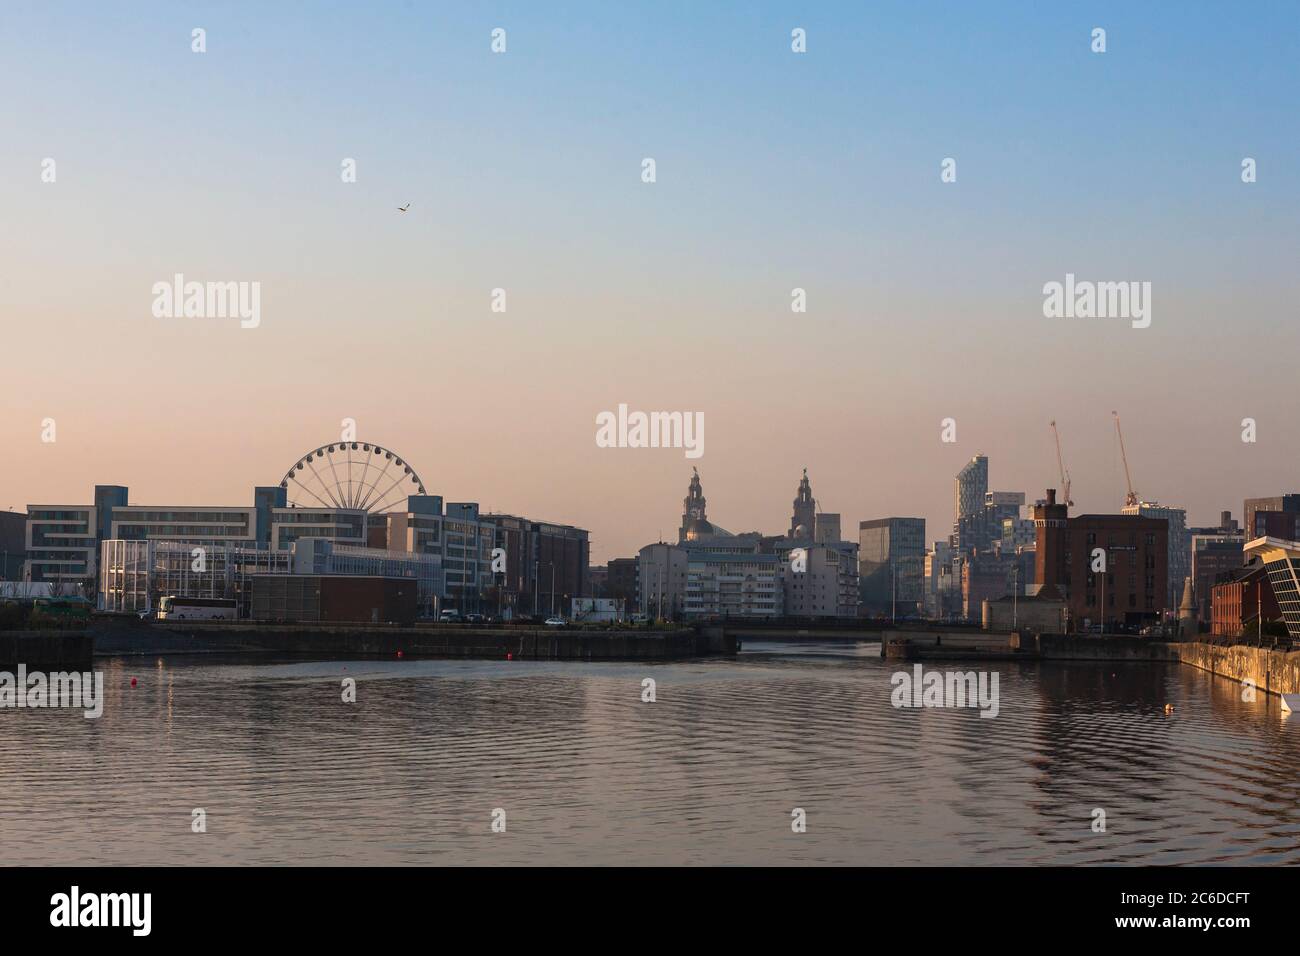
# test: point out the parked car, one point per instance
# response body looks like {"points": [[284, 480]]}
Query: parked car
{"points": [[474, 619], [450, 616], [555, 622]]}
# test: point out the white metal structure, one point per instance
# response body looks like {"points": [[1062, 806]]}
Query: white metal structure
{"points": [[351, 475]]}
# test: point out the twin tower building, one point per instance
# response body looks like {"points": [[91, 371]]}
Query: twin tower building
{"points": [[711, 572]]}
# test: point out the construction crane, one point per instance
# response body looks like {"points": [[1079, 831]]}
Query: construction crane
{"points": [[1060, 464], [1132, 499]]}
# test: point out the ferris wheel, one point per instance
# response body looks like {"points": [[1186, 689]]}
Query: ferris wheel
{"points": [[356, 475]]}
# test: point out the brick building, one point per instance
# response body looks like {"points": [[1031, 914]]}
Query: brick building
{"points": [[1237, 604], [1132, 591]]}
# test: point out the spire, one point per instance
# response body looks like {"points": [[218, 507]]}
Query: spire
{"points": [[805, 510], [694, 521]]}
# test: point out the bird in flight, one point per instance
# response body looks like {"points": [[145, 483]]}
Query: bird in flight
{"points": [[404, 208]]}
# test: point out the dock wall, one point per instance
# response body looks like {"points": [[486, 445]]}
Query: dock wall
{"points": [[300, 640], [45, 650], [1273, 671]]}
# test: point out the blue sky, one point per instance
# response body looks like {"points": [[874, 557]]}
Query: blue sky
{"points": [[775, 170]]}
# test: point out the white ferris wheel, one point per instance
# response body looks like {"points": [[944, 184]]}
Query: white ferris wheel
{"points": [[351, 475]]}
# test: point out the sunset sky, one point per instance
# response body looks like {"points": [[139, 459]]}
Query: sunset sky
{"points": [[775, 170]]}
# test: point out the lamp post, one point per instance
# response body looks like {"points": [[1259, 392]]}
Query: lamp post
{"points": [[893, 589], [1015, 592]]}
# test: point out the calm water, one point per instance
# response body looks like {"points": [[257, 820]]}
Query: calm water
{"points": [[708, 774]]}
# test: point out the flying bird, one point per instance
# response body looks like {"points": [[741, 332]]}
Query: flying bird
{"points": [[404, 208]]}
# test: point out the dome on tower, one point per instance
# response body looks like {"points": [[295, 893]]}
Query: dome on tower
{"points": [[697, 528]]}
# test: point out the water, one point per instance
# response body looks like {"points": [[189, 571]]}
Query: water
{"points": [[708, 774]]}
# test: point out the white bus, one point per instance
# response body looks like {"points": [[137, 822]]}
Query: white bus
{"points": [[172, 608]]}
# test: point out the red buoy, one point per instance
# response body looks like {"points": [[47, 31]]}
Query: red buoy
{"points": [[399, 655], [132, 681], [509, 656]]}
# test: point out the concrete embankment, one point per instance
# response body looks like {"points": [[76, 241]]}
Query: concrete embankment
{"points": [[814, 631], [1273, 671], [45, 650], [1277, 672], [949, 645], [1112, 647], [310, 640], [995, 645]]}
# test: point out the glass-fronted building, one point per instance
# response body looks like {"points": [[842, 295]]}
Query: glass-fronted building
{"points": [[1282, 564], [891, 565], [135, 575]]}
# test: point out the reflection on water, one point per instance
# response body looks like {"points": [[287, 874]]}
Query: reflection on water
{"points": [[708, 774]]}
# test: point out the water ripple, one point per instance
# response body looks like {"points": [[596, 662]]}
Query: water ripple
{"points": [[708, 774]]}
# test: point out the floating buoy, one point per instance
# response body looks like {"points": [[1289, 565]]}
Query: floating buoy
{"points": [[132, 681], [1169, 708], [399, 655], [510, 656]]}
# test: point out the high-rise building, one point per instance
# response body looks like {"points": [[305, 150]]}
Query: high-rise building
{"points": [[1284, 503], [977, 522], [546, 563], [1216, 554], [460, 537], [467, 544], [1284, 525], [1180, 544], [891, 566], [942, 588], [972, 484], [988, 578], [1132, 590]]}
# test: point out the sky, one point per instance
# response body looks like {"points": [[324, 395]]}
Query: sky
{"points": [[775, 170]]}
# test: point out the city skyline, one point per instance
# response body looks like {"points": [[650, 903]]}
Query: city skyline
{"points": [[769, 521]]}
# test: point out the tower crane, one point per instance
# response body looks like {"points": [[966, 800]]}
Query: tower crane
{"points": [[1060, 464], [1132, 499]]}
